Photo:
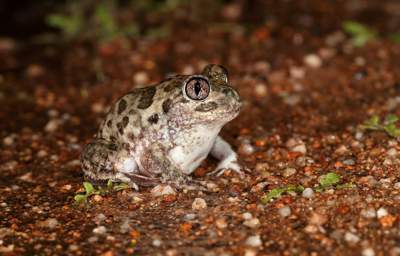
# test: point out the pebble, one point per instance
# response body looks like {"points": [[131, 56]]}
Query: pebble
{"points": [[140, 78], [349, 162], [252, 223], [73, 247], [313, 61], [199, 204], [190, 216], [381, 212], [368, 252], [125, 227], [52, 125], [392, 152], [396, 185], [161, 190], [247, 216], [318, 219], [297, 72], [368, 213], [246, 149], [221, 223], [249, 252], [8, 141], [254, 241], [100, 230], [308, 193], [50, 223], [261, 90], [285, 211], [341, 150], [351, 238], [296, 145], [289, 172], [101, 217], [156, 242]]}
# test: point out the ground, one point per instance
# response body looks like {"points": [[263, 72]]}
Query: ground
{"points": [[306, 89]]}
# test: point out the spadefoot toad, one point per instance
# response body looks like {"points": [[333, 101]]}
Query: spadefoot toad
{"points": [[161, 134]]}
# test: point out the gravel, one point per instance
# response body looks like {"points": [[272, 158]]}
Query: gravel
{"points": [[285, 211], [254, 241], [162, 190], [351, 238], [308, 193], [381, 212], [199, 204]]}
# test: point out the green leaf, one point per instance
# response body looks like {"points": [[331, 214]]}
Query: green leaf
{"points": [[360, 33], [391, 119], [348, 185], [294, 188], [275, 193], [392, 130], [88, 188], [109, 184], [395, 38], [329, 179], [80, 198]]}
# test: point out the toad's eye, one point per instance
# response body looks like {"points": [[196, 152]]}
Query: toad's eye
{"points": [[197, 88]]}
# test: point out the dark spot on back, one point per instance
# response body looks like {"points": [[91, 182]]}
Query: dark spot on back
{"points": [[166, 106], [125, 121], [113, 139], [172, 85], [131, 137], [120, 128], [109, 123], [147, 97], [121, 106], [153, 119], [204, 107]]}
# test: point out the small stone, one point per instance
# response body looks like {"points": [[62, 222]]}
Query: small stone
{"points": [[252, 223], [349, 162], [261, 90], [368, 213], [392, 152], [100, 230], [100, 217], [73, 247], [249, 252], [351, 238], [313, 61], [50, 223], [381, 212], [308, 193], [368, 252], [161, 190], [247, 216], [317, 219], [297, 72], [296, 145], [285, 211], [8, 141], [190, 216], [289, 172], [199, 204], [97, 198], [125, 227], [140, 78], [396, 185], [246, 149], [341, 150], [52, 125], [221, 223], [156, 242], [254, 241]]}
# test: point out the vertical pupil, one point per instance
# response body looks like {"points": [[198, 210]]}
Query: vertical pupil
{"points": [[197, 87]]}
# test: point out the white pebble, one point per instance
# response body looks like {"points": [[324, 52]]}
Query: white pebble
{"points": [[396, 185], [247, 215], [313, 60], [8, 141], [50, 223], [289, 172], [252, 223], [261, 90], [140, 78], [100, 230], [190, 216], [161, 190], [52, 125], [381, 212], [254, 241], [285, 211], [368, 213], [392, 152], [308, 193], [199, 204], [249, 252], [156, 243], [351, 238], [368, 252]]}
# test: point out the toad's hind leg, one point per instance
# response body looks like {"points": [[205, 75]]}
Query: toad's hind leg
{"points": [[103, 160]]}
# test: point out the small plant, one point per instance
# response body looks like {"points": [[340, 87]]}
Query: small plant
{"points": [[90, 190], [360, 34], [395, 38], [329, 180], [388, 125], [277, 192]]}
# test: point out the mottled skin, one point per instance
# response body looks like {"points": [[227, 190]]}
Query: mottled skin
{"points": [[160, 134]]}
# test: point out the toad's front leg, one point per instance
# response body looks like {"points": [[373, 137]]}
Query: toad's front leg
{"points": [[228, 158]]}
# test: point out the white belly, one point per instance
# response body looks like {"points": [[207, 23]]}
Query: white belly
{"points": [[192, 147]]}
